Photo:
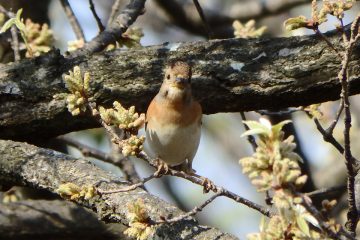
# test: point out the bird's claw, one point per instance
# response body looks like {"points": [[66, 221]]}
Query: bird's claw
{"points": [[162, 168], [208, 185]]}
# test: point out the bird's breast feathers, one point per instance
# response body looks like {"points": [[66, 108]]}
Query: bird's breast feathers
{"points": [[178, 114], [173, 132]]}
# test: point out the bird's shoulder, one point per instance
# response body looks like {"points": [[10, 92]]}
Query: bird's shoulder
{"points": [[179, 114]]}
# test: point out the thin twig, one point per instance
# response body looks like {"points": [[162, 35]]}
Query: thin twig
{"points": [[114, 10], [73, 20], [114, 32], [342, 29], [250, 138], [124, 164], [15, 43], [96, 16], [87, 151], [332, 126], [328, 137], [319, 33], [281, 112], [192, 212], [321, 220], [203, 19], [131, 187], [14, 35], [199, 180], [221, 22], [325, 191], [350, 162]]}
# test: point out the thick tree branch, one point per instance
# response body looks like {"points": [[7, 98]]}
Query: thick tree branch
{"points": [[27, 165], [60, 220], [230, 75]]}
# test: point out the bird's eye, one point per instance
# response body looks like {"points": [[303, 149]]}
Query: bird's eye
{"points": [[168, 76]]}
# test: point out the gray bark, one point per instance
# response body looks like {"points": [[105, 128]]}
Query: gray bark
{"points": [[56, 220], [27, 165], [228, 76]]}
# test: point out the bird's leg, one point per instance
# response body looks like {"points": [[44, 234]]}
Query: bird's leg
{"points": [[206, 183], [162, 168], [186, 167]]}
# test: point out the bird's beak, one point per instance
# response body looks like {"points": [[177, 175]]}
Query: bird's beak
{"points": [[181, 80]]}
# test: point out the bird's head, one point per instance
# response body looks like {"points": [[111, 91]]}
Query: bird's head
{"points": [[176, 85], [178, 75]]}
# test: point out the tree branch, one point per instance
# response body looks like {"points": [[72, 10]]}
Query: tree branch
{"points": [[96, 16], [221, 24], [27, 165], [43, 219], [73, 20], [230, 75], [114, 32]]}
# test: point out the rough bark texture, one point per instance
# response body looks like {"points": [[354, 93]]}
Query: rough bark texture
{"points": [[228, 76], [27, 165], [56, 220]]}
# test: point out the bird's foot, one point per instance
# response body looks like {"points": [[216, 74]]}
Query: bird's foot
{"points": [[208, 185], [162, 168]]}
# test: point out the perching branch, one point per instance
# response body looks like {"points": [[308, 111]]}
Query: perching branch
{"points": [[27, 165], [229, 75], [199, 180]]}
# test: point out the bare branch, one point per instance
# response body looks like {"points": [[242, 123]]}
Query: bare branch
{"points": [[124, 164], [14, 35], [98, 20], [250, 138], [350, 162], [193, 212], [27, 165], [324, 192], [203, 18], [114, 32], [131, 187], [320, 218], [73, 20], [114, 10], [332, 126], [221, 24], [199, 180]]}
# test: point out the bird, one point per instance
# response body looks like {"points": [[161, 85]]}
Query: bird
{"points": [[173, 120]]}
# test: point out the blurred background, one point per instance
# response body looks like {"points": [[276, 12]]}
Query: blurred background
{"points": [[221, 146]]}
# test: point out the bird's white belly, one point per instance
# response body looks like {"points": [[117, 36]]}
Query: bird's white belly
{"points": [[173, 144]]}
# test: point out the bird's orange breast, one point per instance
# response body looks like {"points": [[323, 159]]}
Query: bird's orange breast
{"points": [[164, 112]]}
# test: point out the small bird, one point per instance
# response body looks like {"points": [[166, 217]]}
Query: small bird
{"points": [[173, 120]]}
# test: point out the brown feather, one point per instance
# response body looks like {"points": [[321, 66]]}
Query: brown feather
{"points": [[174, 112]]}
